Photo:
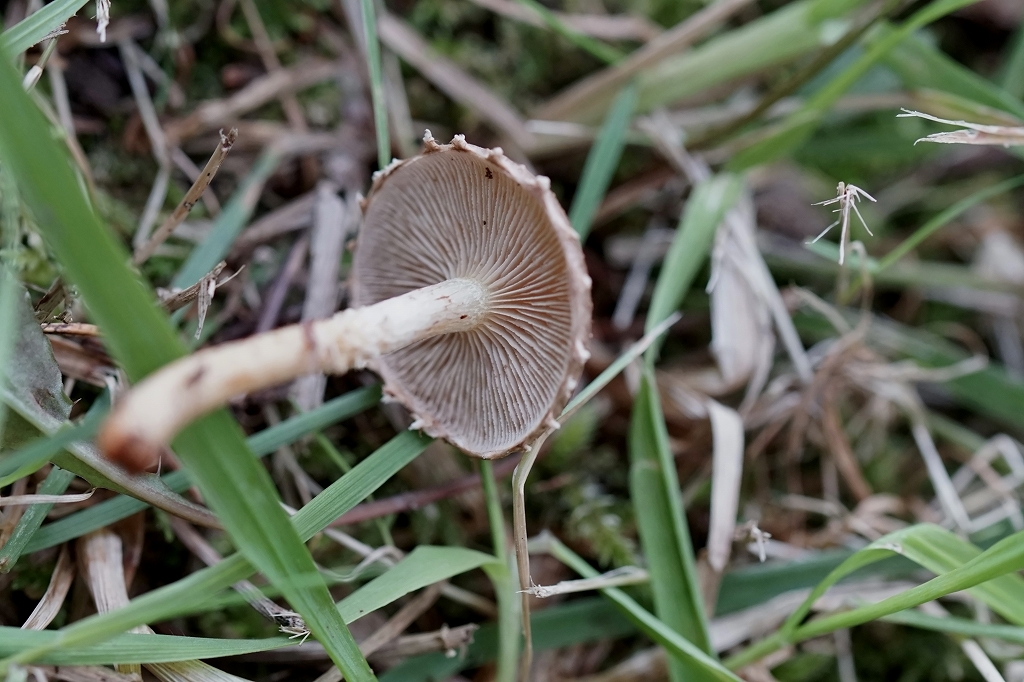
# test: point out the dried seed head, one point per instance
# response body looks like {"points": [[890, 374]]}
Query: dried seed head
{"points": [[459, 211]]}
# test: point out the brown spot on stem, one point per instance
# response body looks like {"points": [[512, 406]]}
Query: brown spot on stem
{"points": [[307, 335], [131, 451], [194, 378], [488, 174]]}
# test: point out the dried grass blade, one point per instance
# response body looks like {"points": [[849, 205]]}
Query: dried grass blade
{"points": [[49, 605], [44, 499], [453, 81], [975, 133], [726, 476]]}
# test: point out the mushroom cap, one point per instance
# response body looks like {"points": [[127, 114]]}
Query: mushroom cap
{"points": [[461, 211]]}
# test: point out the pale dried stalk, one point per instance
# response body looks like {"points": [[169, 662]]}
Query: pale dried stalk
{"points": [[153, 412], [100, 559], [147, 249], [213, 114], [626, 575], [60, 582], [332, 223], [453, 81], [70, 328], [974, 133], [448, 640], [44, 499], [726, 476]]}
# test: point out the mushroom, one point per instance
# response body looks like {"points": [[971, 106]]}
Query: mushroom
{"points": [[470, 298]]}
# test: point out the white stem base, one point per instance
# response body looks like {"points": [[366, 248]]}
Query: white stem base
{"points": [[149, 416]]}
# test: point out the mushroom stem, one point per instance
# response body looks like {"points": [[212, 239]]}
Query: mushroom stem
{"points": [[149, 416]]}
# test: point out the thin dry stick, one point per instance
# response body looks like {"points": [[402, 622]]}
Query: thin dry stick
{"points": [[147, 249], [209, 115], [453, 81], [70, 328], [193, 173], [625, 575], [846, 460], [60, 582], [157, 139]]}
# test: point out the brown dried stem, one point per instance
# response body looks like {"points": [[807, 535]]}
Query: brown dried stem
{"points": [[147, 249]]}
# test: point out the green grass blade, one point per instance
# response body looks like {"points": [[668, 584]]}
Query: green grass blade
{"points": [[799, 125], [238, 490], [33, 456], [356, 485], [703, 666], [1011, 75], [957, 626], [500, 573], [654, 487], [601, 162], [380, 112], [230, 222], [9, 291], [606, 53], [776, 38], [193, 593], [263, 443], [134, 648], [34, 28], [424, 566], [990, 575], [56, 482], [945, 217], [704, 210], [664, 537]]}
